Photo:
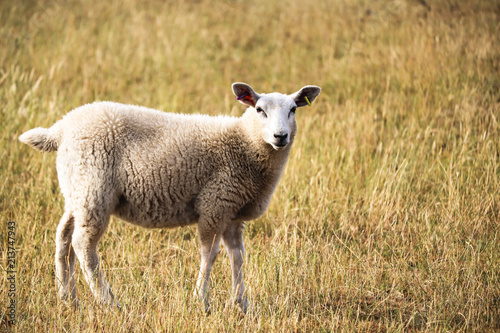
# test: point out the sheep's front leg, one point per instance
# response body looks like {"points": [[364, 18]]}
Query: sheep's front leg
{"points": [[65, 259], [86, 235], [233, 241], [210, 245]]}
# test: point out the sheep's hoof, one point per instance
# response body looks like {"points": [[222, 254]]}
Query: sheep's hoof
{"points": [[113, 304], [203, 302], [243, 304], [207, 309]]}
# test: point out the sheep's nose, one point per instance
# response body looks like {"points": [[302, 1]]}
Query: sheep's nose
{"points": [[281, 137]]}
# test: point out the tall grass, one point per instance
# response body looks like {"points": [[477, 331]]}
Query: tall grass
{"points": [[387, 216]]}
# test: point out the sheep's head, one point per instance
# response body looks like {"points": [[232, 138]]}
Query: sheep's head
{"points": [[275, 111]]}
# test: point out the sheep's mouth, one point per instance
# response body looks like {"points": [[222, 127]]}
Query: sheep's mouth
{"points": [[279, 146]]}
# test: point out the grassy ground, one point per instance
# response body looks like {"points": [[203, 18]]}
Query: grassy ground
{"points": [[387, 216]]}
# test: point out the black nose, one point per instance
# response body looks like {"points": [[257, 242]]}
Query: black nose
{"points": [[281, 137]]}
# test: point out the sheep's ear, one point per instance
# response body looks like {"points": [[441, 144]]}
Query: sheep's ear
{"points": [[245, 94], [306, 95]]}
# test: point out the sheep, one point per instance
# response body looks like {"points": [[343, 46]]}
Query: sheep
{"points": [[161, 170]]}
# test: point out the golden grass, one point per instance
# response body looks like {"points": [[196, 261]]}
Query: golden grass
{"points": [[387, 217]]}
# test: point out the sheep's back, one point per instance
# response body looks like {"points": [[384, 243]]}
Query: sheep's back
{"points": [[156, 162]]}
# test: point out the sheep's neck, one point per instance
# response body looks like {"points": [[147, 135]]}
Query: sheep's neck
{"points": [[270, 162]]}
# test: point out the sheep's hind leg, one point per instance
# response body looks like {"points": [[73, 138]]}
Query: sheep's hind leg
{"points": [[210, 245], [89, 227], [233, 241], [65, 259]]}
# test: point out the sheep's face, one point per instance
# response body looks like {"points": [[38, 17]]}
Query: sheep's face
{"points": [[275, 111]]}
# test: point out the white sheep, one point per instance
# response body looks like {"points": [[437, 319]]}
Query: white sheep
{"points": [[160, 170]]}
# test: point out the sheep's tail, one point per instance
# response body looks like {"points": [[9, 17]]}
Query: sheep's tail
{"points": [[41, 139]]}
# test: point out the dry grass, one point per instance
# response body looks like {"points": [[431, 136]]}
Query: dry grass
{"points": [[387, 217]]}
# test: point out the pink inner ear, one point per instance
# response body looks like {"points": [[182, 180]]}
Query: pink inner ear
{"points": [[246, 97], [242, 96]]}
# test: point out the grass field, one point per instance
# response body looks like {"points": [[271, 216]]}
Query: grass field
{"points": [[387, 215]]}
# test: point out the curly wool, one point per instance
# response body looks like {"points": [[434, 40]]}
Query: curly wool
{"points": [[157, 169]]}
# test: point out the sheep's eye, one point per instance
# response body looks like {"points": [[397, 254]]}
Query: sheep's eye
{"points": [[292, 110], [261, 110]]}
